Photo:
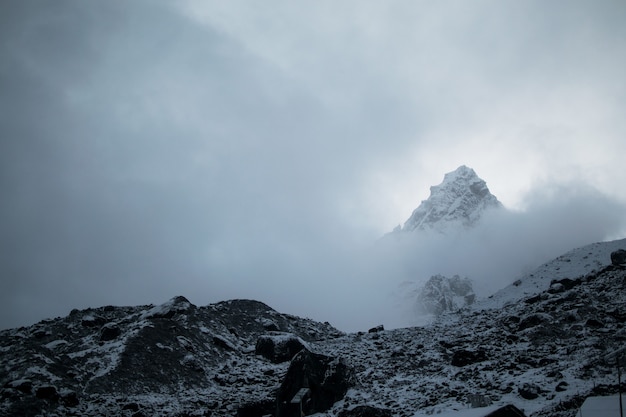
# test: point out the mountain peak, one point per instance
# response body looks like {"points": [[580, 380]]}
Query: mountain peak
{"points": [[460, 199]]}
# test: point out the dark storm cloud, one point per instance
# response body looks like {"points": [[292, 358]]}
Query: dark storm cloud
{"points": [[146, 154]]}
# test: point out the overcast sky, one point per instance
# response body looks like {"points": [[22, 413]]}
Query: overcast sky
{"points": [[239, 149]]}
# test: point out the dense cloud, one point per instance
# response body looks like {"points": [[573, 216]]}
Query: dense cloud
{"points": [[222, 151]]}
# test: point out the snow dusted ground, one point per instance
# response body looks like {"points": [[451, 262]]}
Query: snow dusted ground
{"points": [[540, 344], [573, 264]]}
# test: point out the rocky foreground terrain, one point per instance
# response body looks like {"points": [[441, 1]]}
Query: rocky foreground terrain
{"points": [[542, 352]]}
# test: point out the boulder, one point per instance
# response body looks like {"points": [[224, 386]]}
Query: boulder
{"points": [[533, 320], [326, 378], [22, 385], [69, 399], [365, 411], [466, 357], [176, 306], [279, 347], [376, 329], [109, 331], [47, 392], [529, 391], [618, 257], [561, 386]]}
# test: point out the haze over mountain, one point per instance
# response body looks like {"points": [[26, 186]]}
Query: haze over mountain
{"points": [[463, 230]]}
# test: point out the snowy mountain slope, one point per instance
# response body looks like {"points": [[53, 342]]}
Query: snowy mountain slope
{"points": [[543, 352], [460, 200], [573, 264], [168, 360]]}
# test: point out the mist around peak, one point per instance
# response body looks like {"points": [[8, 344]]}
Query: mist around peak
{"points": [[503, 246]]}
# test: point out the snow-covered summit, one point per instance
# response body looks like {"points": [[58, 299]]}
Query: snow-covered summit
{"points": [[460, 200]]}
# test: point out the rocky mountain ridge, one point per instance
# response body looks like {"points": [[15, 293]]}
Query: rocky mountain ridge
{"points": [[542, 352], [460, 200]]}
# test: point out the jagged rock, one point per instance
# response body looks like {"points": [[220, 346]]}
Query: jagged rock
{"points": [[92, 320], [533, 320], [461, 198], [561, 285], [327, 378], [279, 347], [462, 358], [167, 310], [223, 343], [131, 407], [22, 385], [618, 257], [69, 399], [376, 329], [110, 331], [594, 323], [529, 391], [269, 325], [561, 386], [441, 294], [47, 393], [365, 411]]}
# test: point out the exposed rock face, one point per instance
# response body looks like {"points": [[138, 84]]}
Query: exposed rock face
{"points": [[461, 199], [279, 347], [327, 378], [618, 257], [441, 294]]}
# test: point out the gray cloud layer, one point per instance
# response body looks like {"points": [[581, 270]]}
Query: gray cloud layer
{"points": [[150, 149]]}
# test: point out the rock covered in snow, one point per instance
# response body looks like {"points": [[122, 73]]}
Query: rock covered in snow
{"points": [[326, 378], [279, 347], [461, 199], [441, 294]]}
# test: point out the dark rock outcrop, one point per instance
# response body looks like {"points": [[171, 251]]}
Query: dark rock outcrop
{"points": [[279, 347], [376, 329], [441, 294], [110, 331], [47, 393], [327, 378], [618, 257], [529, 391], [462, 358]]}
